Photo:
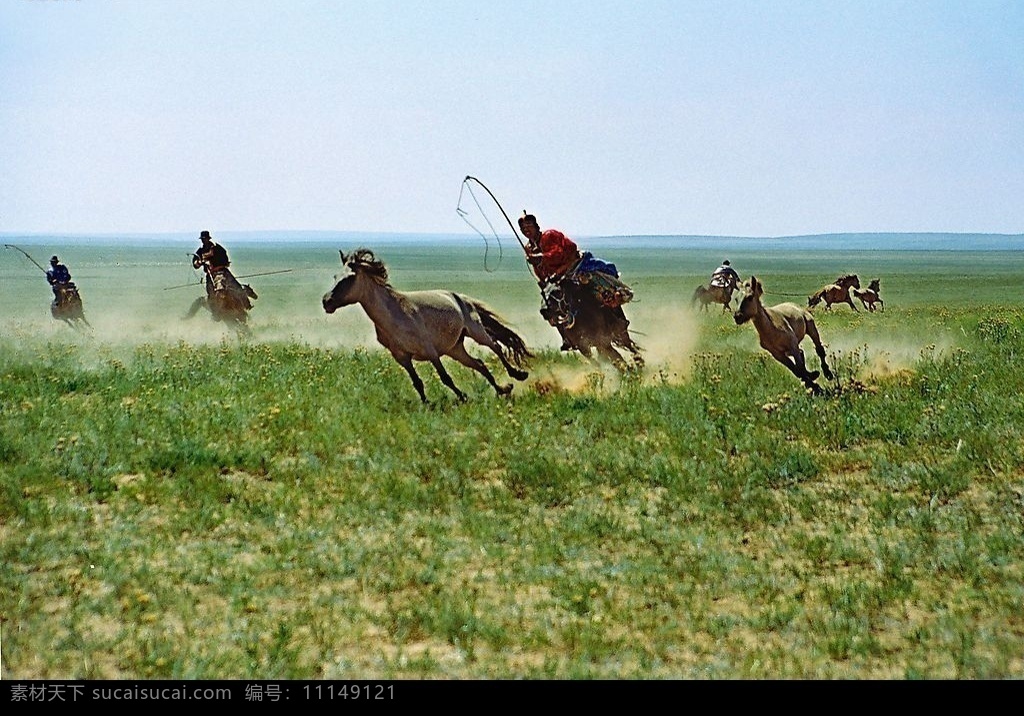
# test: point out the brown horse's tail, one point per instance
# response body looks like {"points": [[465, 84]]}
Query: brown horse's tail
{"points": [[514, 344], [698, 292]]}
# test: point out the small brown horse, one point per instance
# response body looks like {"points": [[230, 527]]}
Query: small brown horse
{"points": [[869, 296], [838, 292], [713, 293], [68, 307], [781, 328], [425, 325]]}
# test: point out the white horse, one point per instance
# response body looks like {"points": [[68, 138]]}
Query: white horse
{"points": [[425, 325]]}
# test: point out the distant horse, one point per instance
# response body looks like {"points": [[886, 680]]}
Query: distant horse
{"points": [[713, 293], [588, 324], [838, 292], [228, 301], [67, 306], [869, 296], [781, 328], [425, 325]]}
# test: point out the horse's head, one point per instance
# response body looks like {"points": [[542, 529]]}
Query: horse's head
{"points": [[750, 304], [341, 294], [875, 284], [361, 265], [557, 304], [849, 280]]}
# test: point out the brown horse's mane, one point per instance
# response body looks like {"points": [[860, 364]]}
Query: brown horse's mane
{"points": [[364, 261]]}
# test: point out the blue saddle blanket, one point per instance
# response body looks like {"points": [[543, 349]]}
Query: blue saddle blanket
{"points": [[589, 265]]}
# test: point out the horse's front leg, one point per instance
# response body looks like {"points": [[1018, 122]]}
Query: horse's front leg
{"points": [[819, 348], [614, 357], [406, 362], [196, 305], [794, 361]]}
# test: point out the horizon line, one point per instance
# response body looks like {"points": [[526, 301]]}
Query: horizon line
{"points": [[349, 232]]}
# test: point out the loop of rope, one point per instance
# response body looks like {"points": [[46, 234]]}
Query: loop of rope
{"points": [[462, 213], [465, 217]]}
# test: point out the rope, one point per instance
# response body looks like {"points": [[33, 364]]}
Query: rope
{"points": [[464, 216]]}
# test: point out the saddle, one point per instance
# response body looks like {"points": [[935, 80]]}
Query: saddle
{"points": [[602, 279], [224, 282], [608, 289]]}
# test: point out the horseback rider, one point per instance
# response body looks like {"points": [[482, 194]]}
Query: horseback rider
{"points": [[214, 259], [556, 259], [59, 278], [725, 276]]}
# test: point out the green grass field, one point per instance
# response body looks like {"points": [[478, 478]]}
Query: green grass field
{"points": [[177, 503]]}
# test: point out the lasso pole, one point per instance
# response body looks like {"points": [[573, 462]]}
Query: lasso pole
{"points": [[12, 246]]}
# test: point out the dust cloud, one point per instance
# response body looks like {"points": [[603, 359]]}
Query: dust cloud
{"points": [[668, 333], [669, 336], [884, 357]]}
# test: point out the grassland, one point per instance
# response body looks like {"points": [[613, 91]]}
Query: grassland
{"points": [[177, 503]]}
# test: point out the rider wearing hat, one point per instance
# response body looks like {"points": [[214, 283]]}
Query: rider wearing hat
{"points": [[214, 259], [555, 258], [551, 252], [58, 276]]}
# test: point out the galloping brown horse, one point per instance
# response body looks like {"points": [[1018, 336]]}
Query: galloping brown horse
{"points": [[838, 292], [592, 326], [780, 329], [425, 325], [68, 307]]}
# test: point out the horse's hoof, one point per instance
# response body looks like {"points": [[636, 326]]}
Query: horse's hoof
{"points": [[812, 376], [518, 375], [505, 389]]}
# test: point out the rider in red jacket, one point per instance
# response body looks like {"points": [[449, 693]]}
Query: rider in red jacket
{"points": [[551, 252]]}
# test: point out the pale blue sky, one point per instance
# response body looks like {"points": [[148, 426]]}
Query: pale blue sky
{"points": [[735, 117]]}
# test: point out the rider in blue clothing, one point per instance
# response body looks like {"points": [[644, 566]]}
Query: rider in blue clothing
{"points": [[58, 277]]}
